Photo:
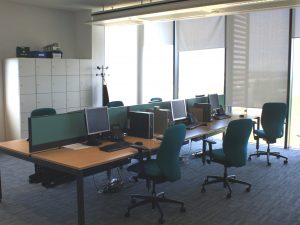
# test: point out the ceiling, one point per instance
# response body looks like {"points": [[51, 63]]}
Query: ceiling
{"points": [[73, 5]]}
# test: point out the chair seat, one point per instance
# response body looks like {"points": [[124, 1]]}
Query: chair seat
{"points": [[260, 133], [151, 168]]}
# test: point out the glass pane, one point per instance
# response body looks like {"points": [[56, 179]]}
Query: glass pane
{"points": [[201, 72], [157, 73], [121, 57], [295, 112]]}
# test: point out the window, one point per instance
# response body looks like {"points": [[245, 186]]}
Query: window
{"points": [[121, 57], [201, 72]]}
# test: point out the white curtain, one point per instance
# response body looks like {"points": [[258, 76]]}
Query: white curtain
{"points": [[199, 34], [257, 58]]}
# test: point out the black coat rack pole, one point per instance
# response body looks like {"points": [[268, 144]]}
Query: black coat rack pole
{"points": [[105, 96]]}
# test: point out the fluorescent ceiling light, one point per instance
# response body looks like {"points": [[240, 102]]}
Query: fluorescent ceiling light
{"points": [[183, 9]]}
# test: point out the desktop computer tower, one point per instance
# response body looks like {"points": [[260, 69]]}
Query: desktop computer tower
{"points": [[162, 120], [140, 124], [206, 111]]}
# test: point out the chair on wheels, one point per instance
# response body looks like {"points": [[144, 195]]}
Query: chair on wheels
{"points": [[37, 176], [233, 153], [115, 104], [164, 168], [155, 99], [272, 121]]}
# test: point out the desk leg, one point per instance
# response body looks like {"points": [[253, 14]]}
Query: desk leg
{"points": [[204, 150], [80, 200]]}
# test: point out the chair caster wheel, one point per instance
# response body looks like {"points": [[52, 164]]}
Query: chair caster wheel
{"points": [[248, 189], [133, 201], [127, 214], [182, 209], [161, 220], [228, 195], [285, 162], [268, 164], [203, 190], [249, 158]]}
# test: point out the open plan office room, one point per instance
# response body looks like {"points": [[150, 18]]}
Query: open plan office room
{"points": [[142, 56]]}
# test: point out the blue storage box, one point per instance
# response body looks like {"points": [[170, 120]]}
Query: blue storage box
{"points": [[38, 54]]}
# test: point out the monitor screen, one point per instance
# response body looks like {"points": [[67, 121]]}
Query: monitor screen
{"points": [[213, 100], [178, 108], [97, 120]]}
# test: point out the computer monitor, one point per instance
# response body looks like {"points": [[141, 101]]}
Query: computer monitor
{"points": [[178, 109], [213, 100], [97, 122]]}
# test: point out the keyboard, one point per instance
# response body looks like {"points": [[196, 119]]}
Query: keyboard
{"points": [[191, 126], [221, 117], [115, 146]]}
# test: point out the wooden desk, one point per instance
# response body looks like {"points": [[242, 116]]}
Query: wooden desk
{"points": [[80, 163], [211, 128]]}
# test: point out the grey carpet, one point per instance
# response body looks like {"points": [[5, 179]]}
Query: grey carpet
{"points": [[274, 198]]}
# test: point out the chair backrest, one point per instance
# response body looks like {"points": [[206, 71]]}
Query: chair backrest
{"points": [[115, 104], [235, 141], [272, 119], [156, 99], [168, 154], [43, 112]]}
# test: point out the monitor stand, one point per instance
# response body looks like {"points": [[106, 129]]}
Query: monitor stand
{"points": [[94, 140]]}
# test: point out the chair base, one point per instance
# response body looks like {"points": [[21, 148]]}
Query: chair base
{"points": [[226, 180], [154, 200], [268, 153]]}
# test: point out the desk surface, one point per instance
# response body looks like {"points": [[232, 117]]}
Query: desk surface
{"points": [[210, 128], [77, 159], [92, 156]]}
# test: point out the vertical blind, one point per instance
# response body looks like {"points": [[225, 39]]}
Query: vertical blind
{"points": [[296, 20], [257, 58]]}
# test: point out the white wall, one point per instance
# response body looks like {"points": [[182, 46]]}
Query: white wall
{"points": [[36, 27]]}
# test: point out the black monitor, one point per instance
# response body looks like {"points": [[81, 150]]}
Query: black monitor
{"points": [[178, 109], [97, 122], [213, 100]]}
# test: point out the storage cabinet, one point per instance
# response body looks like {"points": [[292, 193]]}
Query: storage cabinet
{"points": [[63, 84]]}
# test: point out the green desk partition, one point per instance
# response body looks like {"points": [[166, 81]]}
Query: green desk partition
{"points": [[56, 130], [118, 115]]}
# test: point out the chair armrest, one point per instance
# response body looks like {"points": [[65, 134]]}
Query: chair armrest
{"points": [[142, 152], [257, 123], [210, 143]]}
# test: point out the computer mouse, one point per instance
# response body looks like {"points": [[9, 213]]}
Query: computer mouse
{"points": [[138, 143], [242, 116]]}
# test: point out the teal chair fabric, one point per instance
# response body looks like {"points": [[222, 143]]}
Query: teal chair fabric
{"points": [[43, 112], [232, 154], [272, 121], [155, 99], [115, 104], [164, 168]]}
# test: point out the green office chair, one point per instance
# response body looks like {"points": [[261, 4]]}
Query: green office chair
{"points": [[155, 99], [233, 153], [37, 176], [115, 104], [164, 168], [272, 121]]}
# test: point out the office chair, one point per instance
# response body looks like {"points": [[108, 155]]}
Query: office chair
{"points": [[233, 153], [37, 176], [164, 168], [155, 99], [115, 104], [272, 121]]}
